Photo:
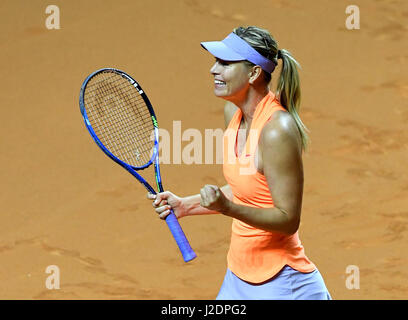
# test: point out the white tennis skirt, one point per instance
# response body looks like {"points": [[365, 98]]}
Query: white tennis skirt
{"points": [[288, 284]]}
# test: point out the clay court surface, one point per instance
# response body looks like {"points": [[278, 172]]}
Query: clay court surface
{"points": [[64, 203]]}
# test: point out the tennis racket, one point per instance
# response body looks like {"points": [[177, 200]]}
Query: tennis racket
{"points": [[121, 120]]}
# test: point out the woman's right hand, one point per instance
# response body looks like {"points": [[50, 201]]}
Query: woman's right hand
{"points": [[165, 201]]}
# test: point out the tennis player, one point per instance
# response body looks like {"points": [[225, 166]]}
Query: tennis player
{"points": [[263, 147]]}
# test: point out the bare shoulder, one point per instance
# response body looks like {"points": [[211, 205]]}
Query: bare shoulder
{"points": [[281, 132], [229, 111]]}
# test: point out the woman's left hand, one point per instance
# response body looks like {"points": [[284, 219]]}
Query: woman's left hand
{"points": [[213, 198]]}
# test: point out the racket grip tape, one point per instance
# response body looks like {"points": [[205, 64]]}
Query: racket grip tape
{"points": [[181, 240]]}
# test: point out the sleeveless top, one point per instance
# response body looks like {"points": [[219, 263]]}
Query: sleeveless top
{"points": [[256, 255]]}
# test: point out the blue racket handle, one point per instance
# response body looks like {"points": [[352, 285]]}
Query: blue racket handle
{"points": [[178, 234]]}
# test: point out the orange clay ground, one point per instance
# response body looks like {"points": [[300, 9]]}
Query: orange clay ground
{"points": [[64, 203]]}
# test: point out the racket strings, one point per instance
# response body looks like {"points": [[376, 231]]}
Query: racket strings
{"points": [[126, 126], [120, 118], [104, 90]]}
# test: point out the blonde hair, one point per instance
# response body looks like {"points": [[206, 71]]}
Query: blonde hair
{"points": [[288, 87]]}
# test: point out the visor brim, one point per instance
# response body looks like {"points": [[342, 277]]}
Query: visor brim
{"points": [[219, 50]]}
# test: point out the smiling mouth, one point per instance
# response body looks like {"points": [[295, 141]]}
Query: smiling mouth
{"points": [[219, 82]]}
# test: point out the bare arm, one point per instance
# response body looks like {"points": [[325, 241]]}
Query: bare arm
{"points": [[282, 166], [194, 207], [182, 207]]}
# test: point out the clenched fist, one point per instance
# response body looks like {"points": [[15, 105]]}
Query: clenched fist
{"points": [[213, 198]]}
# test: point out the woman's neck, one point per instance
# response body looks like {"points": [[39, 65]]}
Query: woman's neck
{"points": [[249, 103]]}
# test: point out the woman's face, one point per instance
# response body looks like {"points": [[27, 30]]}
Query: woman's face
{"points": [[231, 79]]}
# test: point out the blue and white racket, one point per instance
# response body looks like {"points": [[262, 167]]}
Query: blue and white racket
{"points": [[121, 120]]}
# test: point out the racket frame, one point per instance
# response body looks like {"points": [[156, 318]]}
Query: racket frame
{"points": [[171, 220]]}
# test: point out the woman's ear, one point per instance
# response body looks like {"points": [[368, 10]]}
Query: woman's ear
{"points": [[254, 74]]}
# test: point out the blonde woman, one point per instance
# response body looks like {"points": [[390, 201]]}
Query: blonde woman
{"points": [[263, 147]]}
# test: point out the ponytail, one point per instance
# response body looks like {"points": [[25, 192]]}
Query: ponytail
{"points": [[288, 90]]}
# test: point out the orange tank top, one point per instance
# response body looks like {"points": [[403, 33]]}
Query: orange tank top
{"points": [[256, 255]]}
